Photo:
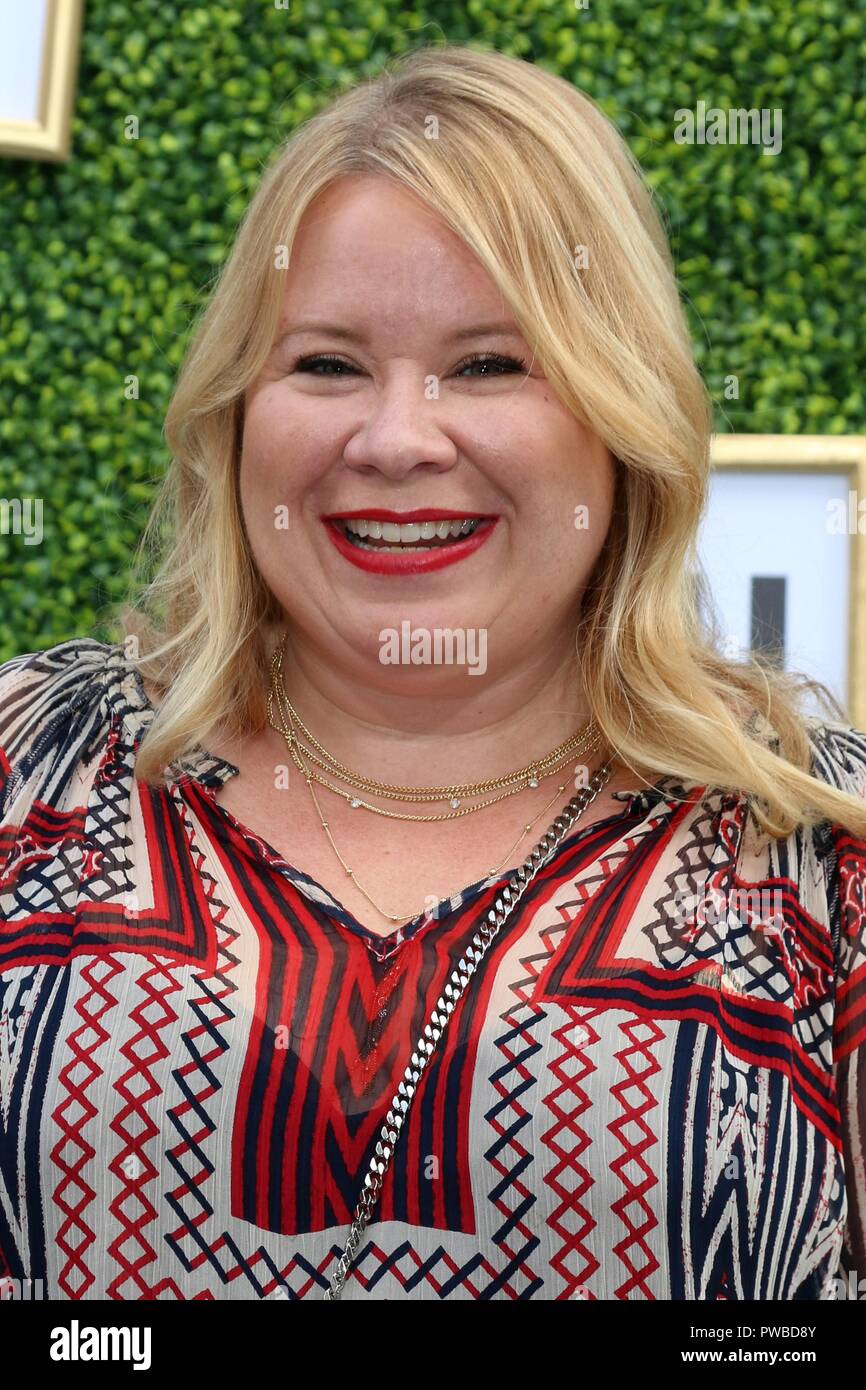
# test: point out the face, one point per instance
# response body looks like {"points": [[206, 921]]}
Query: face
{"points": [[416, 393]]}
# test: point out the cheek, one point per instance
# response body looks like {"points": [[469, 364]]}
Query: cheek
{"points": [[258, 485], [578, 506], [266, 505], [278, 416], [267, 427], [281, 452]]}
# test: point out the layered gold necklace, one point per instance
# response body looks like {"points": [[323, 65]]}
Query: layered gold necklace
{"points": [[302, 745]]}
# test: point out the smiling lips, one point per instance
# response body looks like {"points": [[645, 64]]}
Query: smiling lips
{"points": [[384, 542]]}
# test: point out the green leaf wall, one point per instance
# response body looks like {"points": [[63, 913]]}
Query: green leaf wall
{"points": [[104, 260]]}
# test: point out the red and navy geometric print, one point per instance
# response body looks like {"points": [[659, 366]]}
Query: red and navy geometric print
{"points": [[653, 1087]]}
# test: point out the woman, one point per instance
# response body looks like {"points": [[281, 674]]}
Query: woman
{"points": [[275, 1027]]}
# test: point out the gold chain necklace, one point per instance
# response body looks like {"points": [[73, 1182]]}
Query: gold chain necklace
{"points": [[296, 750], [589, 738], [409, 916], [540, 767], [586, 740], [586, 744]]}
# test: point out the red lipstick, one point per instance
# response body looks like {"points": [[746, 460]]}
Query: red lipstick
{"points": [[409, 561], [403, 518]]}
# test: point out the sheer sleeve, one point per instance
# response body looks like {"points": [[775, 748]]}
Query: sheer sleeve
{"points": [[840, 758]]}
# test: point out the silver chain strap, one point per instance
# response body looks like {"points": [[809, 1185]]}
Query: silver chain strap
{"points": [[443, 1009]]}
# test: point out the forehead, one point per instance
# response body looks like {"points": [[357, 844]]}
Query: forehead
{"points": [[369, 248]]}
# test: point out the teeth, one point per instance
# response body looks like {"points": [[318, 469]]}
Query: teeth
{"points": [[390, 532], [411, 532]]}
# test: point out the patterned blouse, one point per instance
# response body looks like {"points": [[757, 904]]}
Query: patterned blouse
{"points": [[654, 1086]]}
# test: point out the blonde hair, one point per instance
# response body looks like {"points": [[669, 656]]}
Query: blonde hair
{"points": [[523, 168]]}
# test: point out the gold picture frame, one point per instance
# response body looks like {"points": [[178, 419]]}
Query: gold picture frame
{"points": [[813, 453], [49, 135]]}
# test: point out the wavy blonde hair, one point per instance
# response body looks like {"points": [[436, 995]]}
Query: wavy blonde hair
{"points": [[522, 167]]}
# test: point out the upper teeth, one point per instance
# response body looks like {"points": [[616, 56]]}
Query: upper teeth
{"points": [[412, 531]]}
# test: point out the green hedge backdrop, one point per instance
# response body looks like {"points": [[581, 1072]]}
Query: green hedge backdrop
{"points": [[104, 260]]}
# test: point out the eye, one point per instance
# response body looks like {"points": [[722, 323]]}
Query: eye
{"points": [[494, 359], [306, 364], [496, 362]]}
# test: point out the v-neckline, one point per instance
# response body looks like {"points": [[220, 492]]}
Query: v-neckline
{"points": [[210, 771], [643, 802]]}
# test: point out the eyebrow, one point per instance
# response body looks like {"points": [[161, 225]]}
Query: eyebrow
{"points": [[335, 330]]}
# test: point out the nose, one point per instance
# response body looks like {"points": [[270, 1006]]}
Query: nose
{"points": [[399, 430]]}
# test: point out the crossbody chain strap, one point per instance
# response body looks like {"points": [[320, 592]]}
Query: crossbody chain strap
{"points": [[443, 1009]]}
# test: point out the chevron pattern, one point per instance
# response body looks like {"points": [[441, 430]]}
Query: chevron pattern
{"points": [[198, 1043]]}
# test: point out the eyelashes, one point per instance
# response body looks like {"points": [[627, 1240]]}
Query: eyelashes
{"points": [[507, 365]]}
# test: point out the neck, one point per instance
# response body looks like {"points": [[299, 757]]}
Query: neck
{"points": [[428, 726]]}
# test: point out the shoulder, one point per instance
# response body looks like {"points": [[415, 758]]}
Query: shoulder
{"points": [[839, 755], [79, 676], [58, 707], [79, 661], [837, 750], [839, 758]]}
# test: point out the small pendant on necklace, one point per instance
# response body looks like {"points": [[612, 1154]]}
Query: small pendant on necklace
{"points": [[533, 781], [354, 801], [455, 802]]}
